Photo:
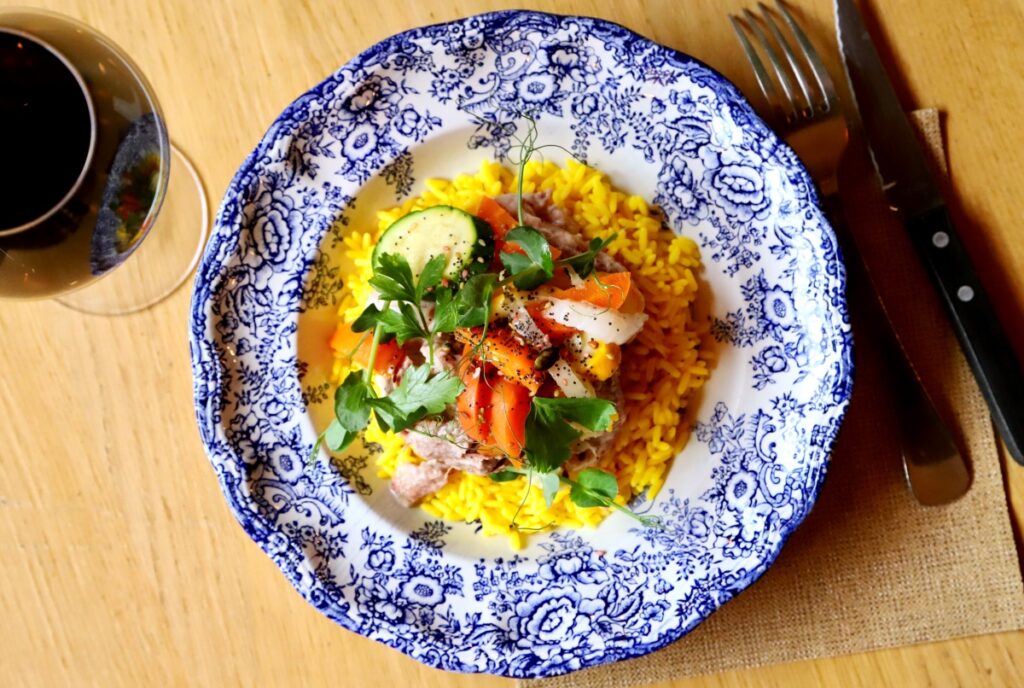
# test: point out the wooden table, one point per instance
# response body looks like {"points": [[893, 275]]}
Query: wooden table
{"points": [[120, 563]]}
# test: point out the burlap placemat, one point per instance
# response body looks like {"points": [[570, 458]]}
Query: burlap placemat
{"points": [[870, 568]]}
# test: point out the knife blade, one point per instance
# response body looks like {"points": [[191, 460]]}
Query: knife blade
{"points": [[913, 193]]}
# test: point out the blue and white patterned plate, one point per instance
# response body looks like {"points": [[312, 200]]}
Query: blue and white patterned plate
{"points": [[662, 125]]}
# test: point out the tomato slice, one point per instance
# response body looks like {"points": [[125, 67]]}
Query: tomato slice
{"points": [[472, 406], [510, 405]]}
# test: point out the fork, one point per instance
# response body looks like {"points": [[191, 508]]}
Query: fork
{"points": [[807, 115]]}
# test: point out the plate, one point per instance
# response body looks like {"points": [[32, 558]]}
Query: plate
{"points": [[661, 125]]}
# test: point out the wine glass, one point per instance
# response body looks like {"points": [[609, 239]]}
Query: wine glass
{"points": [[85, 168]]}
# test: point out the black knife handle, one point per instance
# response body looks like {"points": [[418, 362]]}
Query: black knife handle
{"points": [[983, 341]]}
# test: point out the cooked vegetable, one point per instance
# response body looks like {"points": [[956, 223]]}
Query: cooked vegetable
{"points": [[473, 404], [356, 347], [545, 359], [556, 331], [510, 405], [601, 359], [508, 299], [607, 290], [501, 222], [523, 324], [418, 395], [549, 433], [603, 324], [571, 384], [466, 241], [491, 212], [534, 264], [511, 357]]}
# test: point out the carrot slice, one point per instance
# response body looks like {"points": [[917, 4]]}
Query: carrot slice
{"points": [[607, 290], [511, 357], [357, 345], [510, 406], [491, 212]]}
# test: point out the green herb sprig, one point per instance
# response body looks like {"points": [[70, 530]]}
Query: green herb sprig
{"points": [[592, 487]]}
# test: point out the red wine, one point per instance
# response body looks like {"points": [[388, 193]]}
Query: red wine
{"points": [[46, 130], [84, 156]]}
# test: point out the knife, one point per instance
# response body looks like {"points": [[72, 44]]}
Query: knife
{"points": [[913, 193]]}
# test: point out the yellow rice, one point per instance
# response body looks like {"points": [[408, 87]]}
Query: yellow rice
{"points": [[660, 368]]}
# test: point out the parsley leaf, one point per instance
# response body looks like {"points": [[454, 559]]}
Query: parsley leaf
{"points": [[593, 487], [431, 276], [506, 475], [469, 307], [352, 414], [549, 484], [350, 407], [336, 437], [548, 440], [416, 397], [367, 320], [583, 263], [446, 319], [392, 278], [536, 267], [473, 302], [593, 414], [404, 324], [549, 436]]}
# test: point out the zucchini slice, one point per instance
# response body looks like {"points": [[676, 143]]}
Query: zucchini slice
{"points": [[466, 240]]}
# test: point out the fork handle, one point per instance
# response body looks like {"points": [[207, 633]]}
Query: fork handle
{"points": [[983, 340]]}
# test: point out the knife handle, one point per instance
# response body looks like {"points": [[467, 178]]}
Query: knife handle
{"points": [[984, 343]]}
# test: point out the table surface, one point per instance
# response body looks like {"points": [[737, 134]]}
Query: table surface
{"points": [[120, 563]]}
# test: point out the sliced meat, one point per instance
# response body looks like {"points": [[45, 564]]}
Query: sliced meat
{"points": [[605, 263], [413, 482], [522, 324], [555, 224], [385, 384], [477, 464], [611, 389], [439, 441], [534, 206], [447, 443], [588, 451]]}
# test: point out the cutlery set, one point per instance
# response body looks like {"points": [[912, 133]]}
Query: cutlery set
{"points": [[804, 110]]}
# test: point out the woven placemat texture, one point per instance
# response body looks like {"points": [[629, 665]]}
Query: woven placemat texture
{"points": [[870, 568]]}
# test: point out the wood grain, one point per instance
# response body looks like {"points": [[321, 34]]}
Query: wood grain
{"points": [[121, 565]]}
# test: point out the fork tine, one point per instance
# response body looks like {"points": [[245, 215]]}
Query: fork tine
{"points": [[828, 89], [780, 70], [764, 80], [787, 50]]}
